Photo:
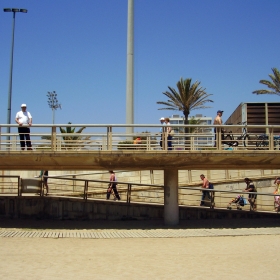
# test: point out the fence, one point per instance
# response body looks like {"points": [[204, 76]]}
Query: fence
{"points": [[133, 192], [113, 137]]}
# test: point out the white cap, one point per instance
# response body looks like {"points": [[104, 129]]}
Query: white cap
{"points": [[23, 105], [162, 119]]}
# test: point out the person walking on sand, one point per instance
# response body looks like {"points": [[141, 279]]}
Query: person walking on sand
{"points": [[24, 120], [113, 186]]}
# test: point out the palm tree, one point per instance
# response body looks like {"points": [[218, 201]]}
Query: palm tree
{"points": [[274, 85], [74, 142], [189, 97]]}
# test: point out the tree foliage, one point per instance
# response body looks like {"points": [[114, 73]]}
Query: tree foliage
{"points": [[186, 98], [273, 85], [74, 142]]}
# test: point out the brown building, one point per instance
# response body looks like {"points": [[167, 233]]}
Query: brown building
{"points": [[256, 113]]}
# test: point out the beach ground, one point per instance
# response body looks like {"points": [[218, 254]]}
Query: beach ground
{"points": [[201, 257]]}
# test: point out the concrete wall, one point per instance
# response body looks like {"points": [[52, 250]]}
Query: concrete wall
{"points": [[74, 209]]}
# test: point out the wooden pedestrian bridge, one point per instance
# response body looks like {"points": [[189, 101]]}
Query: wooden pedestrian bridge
{"points": [[111, 147], [104, 147]]}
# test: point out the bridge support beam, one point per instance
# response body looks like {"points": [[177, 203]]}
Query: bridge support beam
{"points": [[171, 206]]}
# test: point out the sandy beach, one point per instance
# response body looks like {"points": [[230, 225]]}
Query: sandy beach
{"points": [[252, 257]]}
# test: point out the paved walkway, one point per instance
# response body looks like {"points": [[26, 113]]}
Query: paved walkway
{"points": [[153, 233]]}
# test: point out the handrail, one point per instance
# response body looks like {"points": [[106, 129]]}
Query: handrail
{"points": [[114, 137], [134, 192]]}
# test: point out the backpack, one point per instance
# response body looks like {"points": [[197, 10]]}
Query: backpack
{"points": [[211, 186]]}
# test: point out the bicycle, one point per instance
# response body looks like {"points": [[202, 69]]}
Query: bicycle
{"points": [[263, 142], [229, 138]]}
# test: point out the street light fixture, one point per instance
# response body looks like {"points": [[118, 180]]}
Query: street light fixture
{"points": [[14, 11], [53, 102]]}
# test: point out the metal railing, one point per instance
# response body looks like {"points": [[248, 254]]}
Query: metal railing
{"points": [[85, 189], [96, 137], [191, 196], [10, 185]]}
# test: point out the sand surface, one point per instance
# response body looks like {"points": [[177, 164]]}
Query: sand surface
{"points": [[241, 257], [225, 257]]}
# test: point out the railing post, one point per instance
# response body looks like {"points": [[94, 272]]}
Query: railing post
{"points": [[271, 139], [74, 183], [86, 190], [14, 143], [218, 138], [128, 195], [148, 143], [53, 138], [192, 143], [109, 138], [19, 192], [164, 138]]}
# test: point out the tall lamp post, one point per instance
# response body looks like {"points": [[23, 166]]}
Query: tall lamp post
{"points": [[14, 11], [53, 102]]}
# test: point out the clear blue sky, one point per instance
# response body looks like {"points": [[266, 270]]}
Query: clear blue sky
{"points": [[78, 49]]}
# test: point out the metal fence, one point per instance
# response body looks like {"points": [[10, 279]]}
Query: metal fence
{"points": [[133, 192]]}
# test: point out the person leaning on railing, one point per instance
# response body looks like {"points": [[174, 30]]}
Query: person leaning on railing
{"points": [[24, 120]]}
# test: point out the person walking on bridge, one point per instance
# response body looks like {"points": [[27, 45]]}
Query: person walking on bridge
{"points": [[250, 187], [205, 185], [113, 186], [277, 191], [162, 121], [218, 121]]}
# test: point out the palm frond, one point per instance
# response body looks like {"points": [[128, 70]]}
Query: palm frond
{"points": [[274, 86]]}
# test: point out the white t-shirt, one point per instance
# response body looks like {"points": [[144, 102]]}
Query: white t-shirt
{"points": [[23, 117]]}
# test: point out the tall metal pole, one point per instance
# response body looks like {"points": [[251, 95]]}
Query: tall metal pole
{"points": [[130, 68], [11, 76], [14, 11]]}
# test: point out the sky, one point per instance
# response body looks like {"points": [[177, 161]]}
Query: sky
{"points": [[79, 49]]}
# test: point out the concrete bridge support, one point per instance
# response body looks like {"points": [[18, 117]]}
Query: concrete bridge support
{"points": [[171, 206]]}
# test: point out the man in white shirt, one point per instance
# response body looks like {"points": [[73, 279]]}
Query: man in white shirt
{"points": [[24, 120]]}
